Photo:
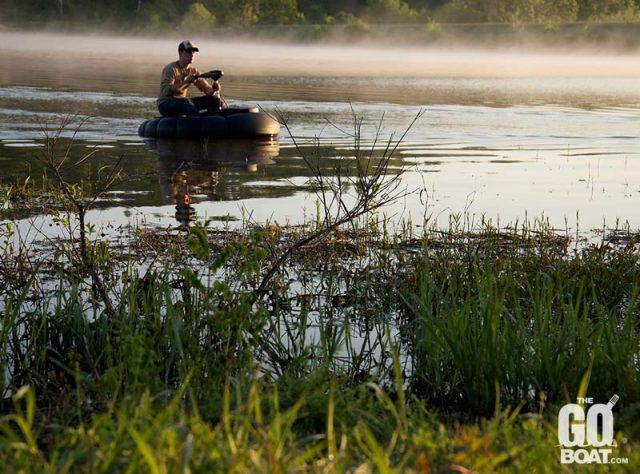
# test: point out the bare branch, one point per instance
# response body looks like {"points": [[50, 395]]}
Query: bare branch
{"points": [[80, 202], [373, 185]]}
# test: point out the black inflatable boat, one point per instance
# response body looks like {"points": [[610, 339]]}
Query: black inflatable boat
{"points": [[226, 123]]}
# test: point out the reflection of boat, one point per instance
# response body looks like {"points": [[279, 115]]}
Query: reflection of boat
{"points": [[226, 123], [191, 170], [220, 153]]}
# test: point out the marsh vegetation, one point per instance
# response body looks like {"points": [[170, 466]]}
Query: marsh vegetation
{"points": [[341, 344]]}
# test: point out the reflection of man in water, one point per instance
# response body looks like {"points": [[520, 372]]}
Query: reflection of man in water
{"points": [[175, 80], [182, 195], [181, 190]]}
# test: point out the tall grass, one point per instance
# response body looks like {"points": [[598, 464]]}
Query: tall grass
{"points": [[492, 326], [332, 373], [335, 346]]}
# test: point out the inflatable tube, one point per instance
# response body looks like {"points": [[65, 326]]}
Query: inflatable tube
{"points": [[227, 123]]}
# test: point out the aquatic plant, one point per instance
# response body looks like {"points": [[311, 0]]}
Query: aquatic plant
{"points": [[355, 186], [372, 349]]}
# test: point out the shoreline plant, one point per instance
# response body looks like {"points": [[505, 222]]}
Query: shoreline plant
{"points": [[426, 359], [372, 350]]}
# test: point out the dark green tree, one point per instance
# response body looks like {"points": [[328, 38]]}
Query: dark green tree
{"points": [[240, 13], [280, 12], [588, 9], [162, 14], [391, 11]]}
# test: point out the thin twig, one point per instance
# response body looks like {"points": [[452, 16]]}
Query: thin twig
{"points": [[373, 188]]}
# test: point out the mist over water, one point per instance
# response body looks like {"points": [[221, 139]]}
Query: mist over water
{"points": [[331, 60], [505, 134], [405, 75]]}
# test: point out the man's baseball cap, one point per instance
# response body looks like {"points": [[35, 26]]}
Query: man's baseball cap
{"points": [[187, 45]]}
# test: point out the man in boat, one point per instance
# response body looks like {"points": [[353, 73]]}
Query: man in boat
{"points": [[175, 80]]}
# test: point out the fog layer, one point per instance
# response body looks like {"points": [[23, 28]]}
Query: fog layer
{"points": [[329, 60]]}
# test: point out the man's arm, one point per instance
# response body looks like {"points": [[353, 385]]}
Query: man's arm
{"points": [[180, 86], [172, 84], [206, 87]]}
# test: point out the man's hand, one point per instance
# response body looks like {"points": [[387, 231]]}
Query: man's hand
{"points": [[214, 89]]}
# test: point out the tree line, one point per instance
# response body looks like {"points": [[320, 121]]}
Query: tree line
{"points": [[204, 14]]}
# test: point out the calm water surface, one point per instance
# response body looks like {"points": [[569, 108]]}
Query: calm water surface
{"points": [[506, 136]]}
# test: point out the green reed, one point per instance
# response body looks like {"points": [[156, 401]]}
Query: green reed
{"points": [[366, 349], [459, 321], [491, 324]]}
